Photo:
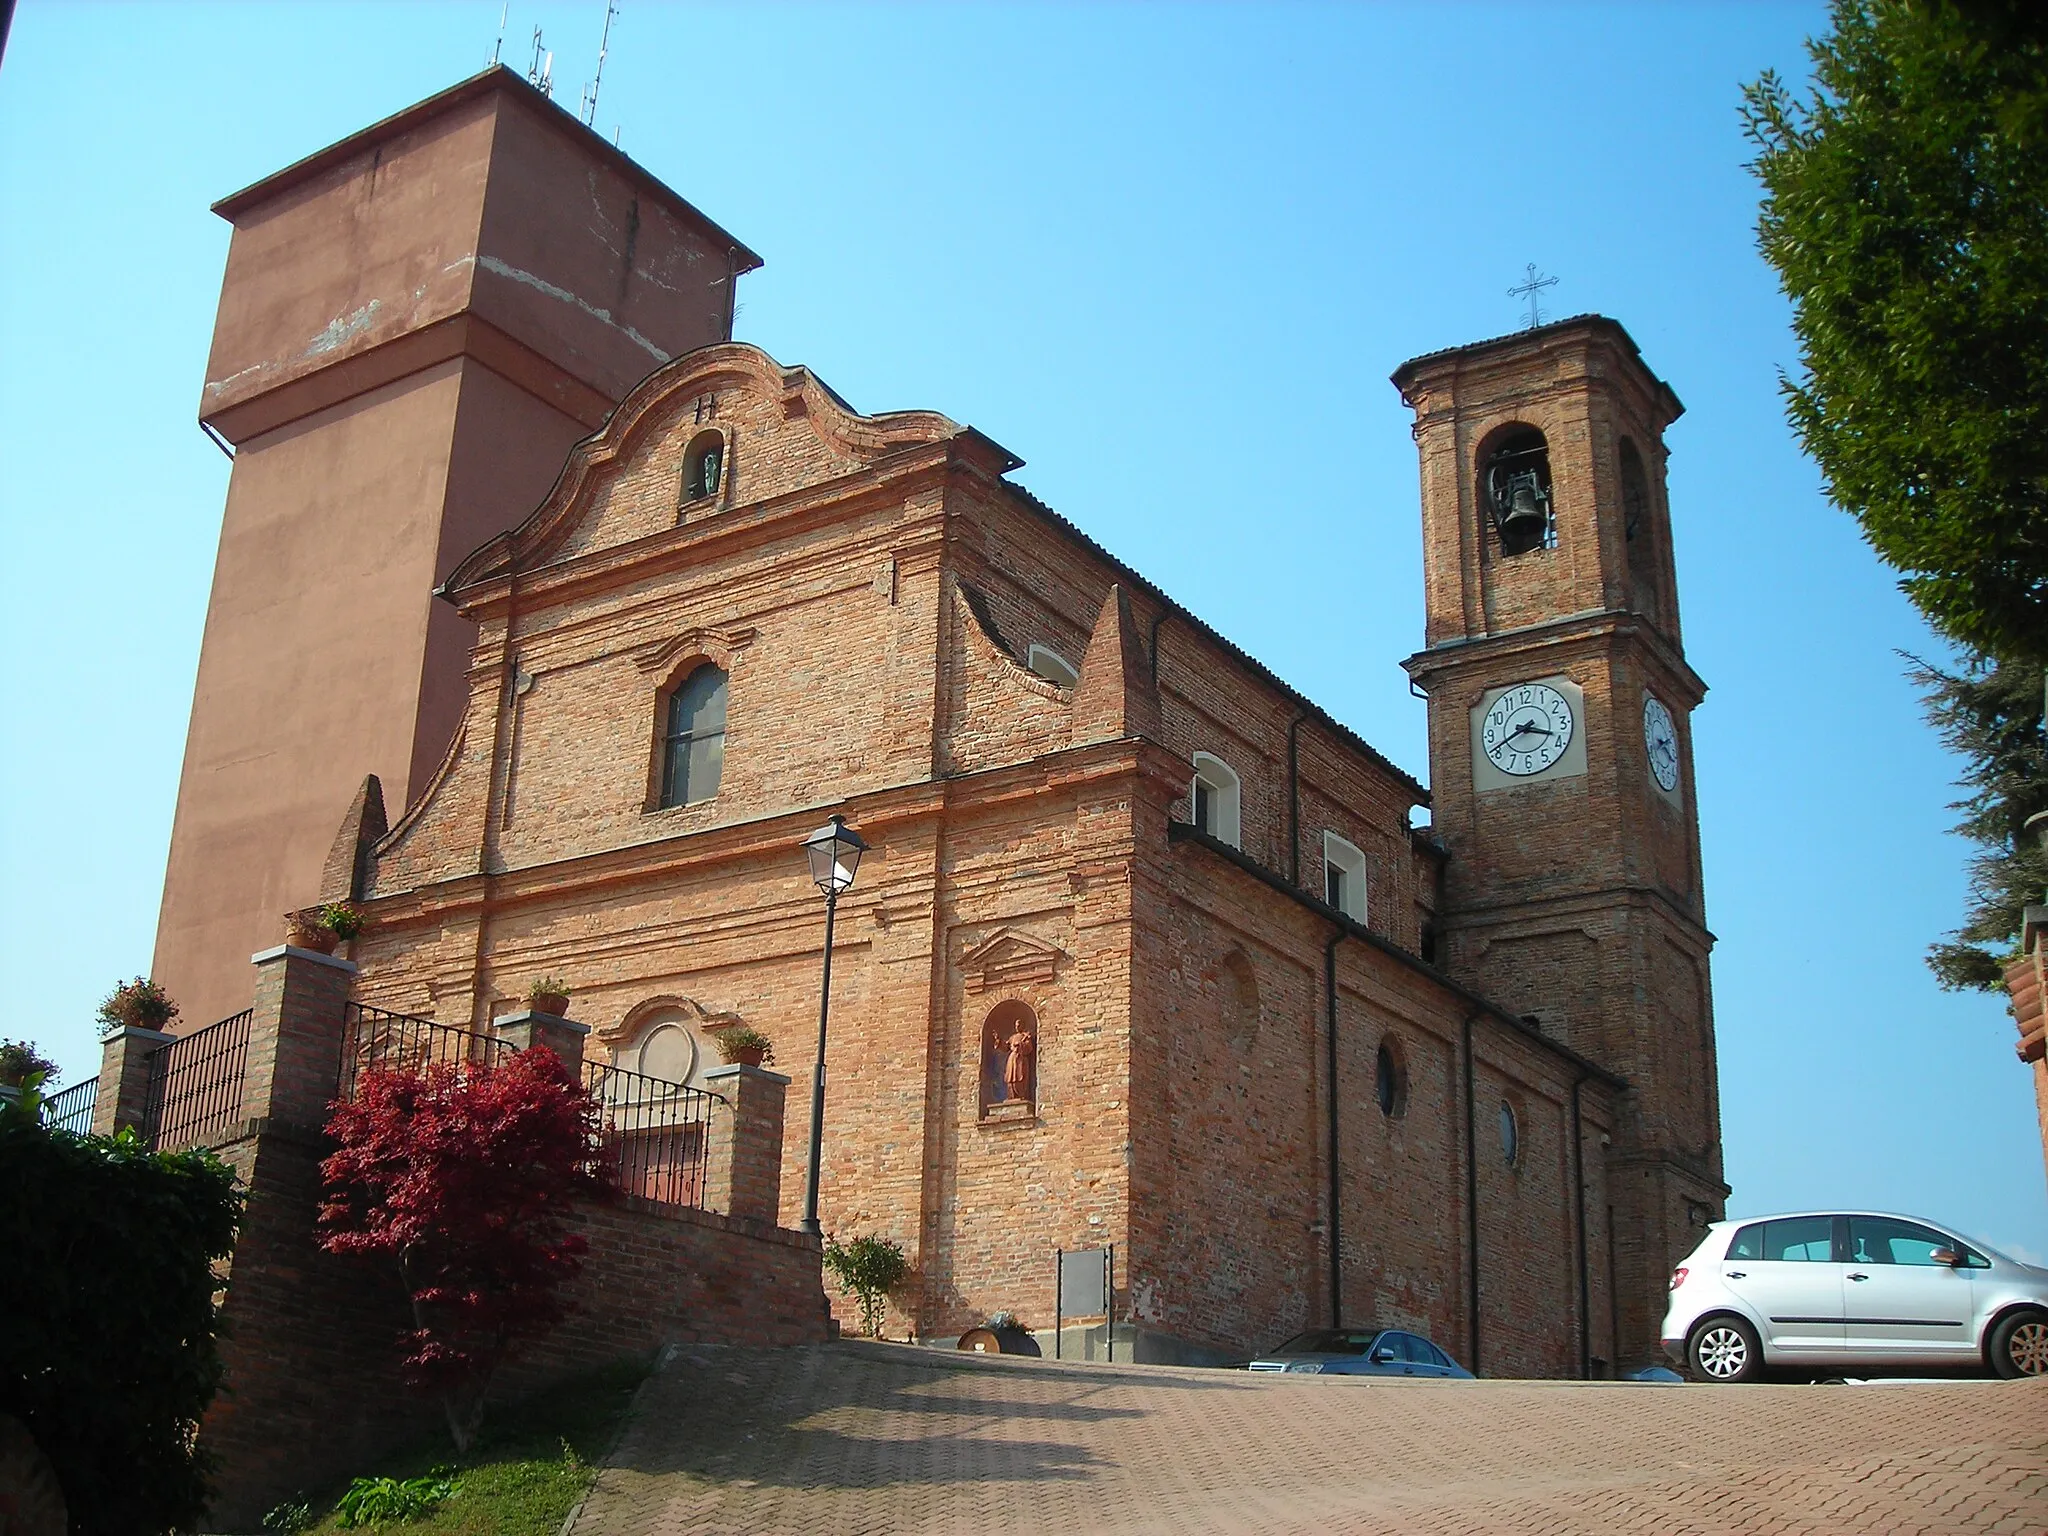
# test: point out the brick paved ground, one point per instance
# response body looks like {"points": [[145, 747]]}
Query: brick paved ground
{"points": [[873, 1437]]}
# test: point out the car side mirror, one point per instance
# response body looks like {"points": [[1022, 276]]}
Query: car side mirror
{"points": [[1946, 1256], [1383, 1355]]}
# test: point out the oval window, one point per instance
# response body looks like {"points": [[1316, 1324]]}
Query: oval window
{"points": [[1387, 1086]]}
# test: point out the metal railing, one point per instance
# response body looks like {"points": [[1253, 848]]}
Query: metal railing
{"points": [[195, 1084], [374, 1040], [659, 1132], [72, 1109]]}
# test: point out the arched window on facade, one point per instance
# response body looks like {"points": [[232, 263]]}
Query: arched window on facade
{"points": [[1510, 1134], [1344, 870], [1051, 665], [693, 741], [1009, 1056], [1639, 529], [1518, 492], [704, 466], [1213, 802]]}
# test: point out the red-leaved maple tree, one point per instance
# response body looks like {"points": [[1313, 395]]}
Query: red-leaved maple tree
{"points": [[468, 1177]]}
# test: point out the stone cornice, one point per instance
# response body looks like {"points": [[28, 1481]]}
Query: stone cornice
{"points": [[875, 811], [1578, 632]]}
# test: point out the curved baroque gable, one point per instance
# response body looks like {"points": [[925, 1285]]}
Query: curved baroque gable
{"points": [[784, 430]]}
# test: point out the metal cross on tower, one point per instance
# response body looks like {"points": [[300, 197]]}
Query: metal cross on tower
{"points": [[1530, 288]]}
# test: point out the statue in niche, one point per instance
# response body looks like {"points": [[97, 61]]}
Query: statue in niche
{"points": [[1017, 1073], [1009, 1056], [710, 472]]}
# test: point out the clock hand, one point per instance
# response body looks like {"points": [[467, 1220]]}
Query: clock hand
{"points": [[1528, 725]]}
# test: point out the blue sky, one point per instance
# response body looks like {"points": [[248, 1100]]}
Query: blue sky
{"points": [[1169, 256]]}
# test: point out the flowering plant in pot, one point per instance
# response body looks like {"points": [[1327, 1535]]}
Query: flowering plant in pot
{"points": [[20, 1060], [304, 930], [744, 1045], [343, 919], [137, 1004], [549, 995]]}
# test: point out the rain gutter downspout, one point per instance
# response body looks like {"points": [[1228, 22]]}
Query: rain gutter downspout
{"points": [[1579, 1211], [1294, 797], [1330, 1068], [1471, 1203]]}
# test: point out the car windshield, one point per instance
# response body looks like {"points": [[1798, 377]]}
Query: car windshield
{"points": [[1329, 1341]]}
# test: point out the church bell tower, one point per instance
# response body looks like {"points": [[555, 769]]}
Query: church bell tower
{"points": [[1560, 748]]}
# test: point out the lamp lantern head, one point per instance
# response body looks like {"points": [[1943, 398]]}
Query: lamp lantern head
{"points": [[834, 851]]}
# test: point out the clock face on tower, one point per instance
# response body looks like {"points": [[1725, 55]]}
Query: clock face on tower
{"points": [[1660, 736], [1527, 729]]}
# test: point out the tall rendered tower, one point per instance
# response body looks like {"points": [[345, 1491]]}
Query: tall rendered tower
{"points": [[415, 325], [1560, 736]]}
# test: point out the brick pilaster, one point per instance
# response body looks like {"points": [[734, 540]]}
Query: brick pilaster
{"points": [[744, 1178], [561, 1035], [295, 1034], [124, 1078]]}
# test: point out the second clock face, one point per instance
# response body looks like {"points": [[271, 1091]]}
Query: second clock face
{"points": [[1527, 729], [1660, 736]]}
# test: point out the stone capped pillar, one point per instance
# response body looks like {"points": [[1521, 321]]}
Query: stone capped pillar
{"points": [[296, 1028], [124, 1078], [744, 1176], [563, 1036]]}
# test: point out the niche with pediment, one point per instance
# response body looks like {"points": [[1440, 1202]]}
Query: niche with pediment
{"points": [[1009, 958], [674, 1039]]}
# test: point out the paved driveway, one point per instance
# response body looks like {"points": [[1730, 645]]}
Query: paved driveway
{"points": [[857, 1437]]}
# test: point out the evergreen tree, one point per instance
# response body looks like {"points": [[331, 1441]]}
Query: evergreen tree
{"points": [[1991, 714], [1906, 212]]}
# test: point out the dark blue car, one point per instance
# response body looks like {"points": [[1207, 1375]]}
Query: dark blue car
{"points": [[1360, 1352]]}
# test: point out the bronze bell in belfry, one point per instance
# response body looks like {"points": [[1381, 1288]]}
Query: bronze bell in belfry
{"points": [[1522, 528]]}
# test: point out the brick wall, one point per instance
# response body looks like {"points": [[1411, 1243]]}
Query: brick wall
{"points": [[873, 589], [313, 1389]]}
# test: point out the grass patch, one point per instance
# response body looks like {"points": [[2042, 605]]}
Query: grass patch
{"points": [[529, 1466]]}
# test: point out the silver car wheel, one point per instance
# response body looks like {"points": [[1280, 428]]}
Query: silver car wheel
{"points": [[2028, 1348], [1722, 1352]]}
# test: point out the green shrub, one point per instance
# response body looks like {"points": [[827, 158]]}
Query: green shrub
{"points": [[376, 1500], [869, 1267], [289, 1518], [108, 1354]]}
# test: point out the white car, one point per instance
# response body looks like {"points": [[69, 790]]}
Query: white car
{"points": [[1861, 1294]]}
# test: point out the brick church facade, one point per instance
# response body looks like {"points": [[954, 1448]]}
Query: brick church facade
{"points": [[1145, 951]]}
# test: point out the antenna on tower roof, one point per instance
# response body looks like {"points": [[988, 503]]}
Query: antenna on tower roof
{"points": [[589, 111], [540, 74], [498, 47]]}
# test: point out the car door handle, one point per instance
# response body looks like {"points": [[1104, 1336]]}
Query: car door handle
{"points": [[1738, 1274], [1859, 1276]]}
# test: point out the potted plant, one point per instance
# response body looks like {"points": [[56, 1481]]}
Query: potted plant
{"points": [[744, 1045], [343, 919], [20, 1060], [549, 995], [303, 930], [137, 1004]]}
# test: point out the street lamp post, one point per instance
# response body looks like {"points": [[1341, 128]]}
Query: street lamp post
{"points": [[834, 852]]}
